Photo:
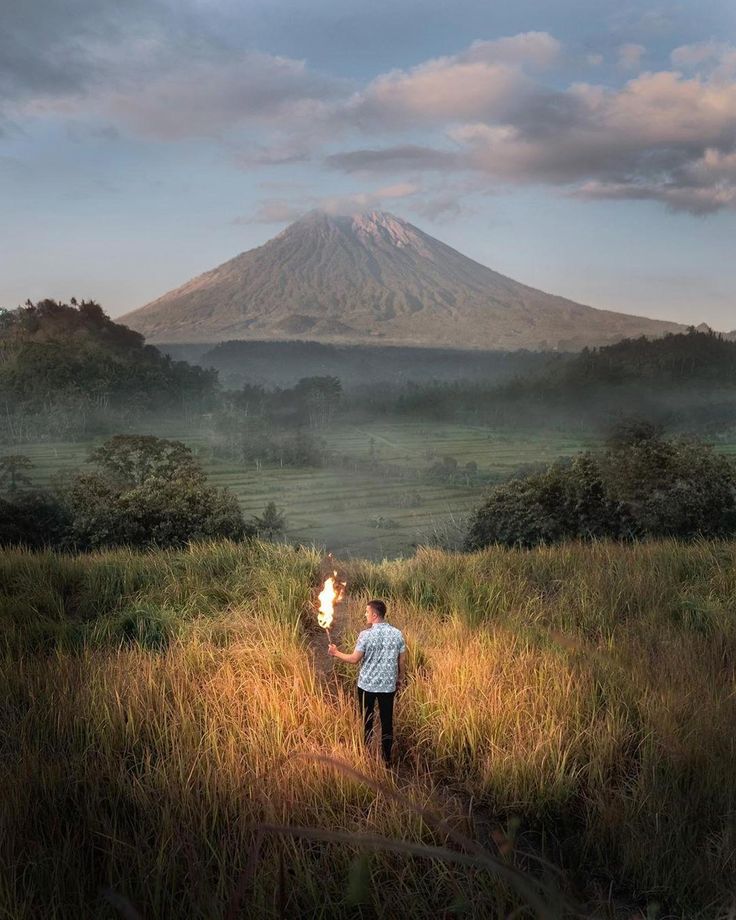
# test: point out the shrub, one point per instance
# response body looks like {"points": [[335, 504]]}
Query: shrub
{"points": [[32, 518], [640, 486], [149, 491]]}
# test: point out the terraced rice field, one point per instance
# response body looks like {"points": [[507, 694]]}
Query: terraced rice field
{"points": [[355, 513], [345, 508], [351, 511]]}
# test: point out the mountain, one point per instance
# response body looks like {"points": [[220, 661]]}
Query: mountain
{"points": [[374, 278]]}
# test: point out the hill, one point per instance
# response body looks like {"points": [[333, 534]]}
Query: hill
{"points": [[697, 357], [684, 382], [62, 364], [374, 278]]}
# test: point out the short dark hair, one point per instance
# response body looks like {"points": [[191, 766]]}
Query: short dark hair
{"points": [[379, 607]]}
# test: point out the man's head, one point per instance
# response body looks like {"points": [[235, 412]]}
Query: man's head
{"points": [[375, 611]]}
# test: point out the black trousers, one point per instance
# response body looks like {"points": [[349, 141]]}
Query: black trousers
{"points": [[367, 702]]}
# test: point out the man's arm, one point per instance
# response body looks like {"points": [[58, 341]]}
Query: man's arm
{"points": [[402, 667], [352, 658]]}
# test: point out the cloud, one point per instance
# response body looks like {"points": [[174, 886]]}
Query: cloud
{"points": [[281, 210], [687, 56], [145, 72], [272, 155], [663, 135], [718, 58], [390, 159], [492, 110], [199, 97], [701, 186], [536, 49], [208, 97], [274, 211], [441, 207], [630, 55], [479, 81], [713, 166], [48, 48], [698, 201]]}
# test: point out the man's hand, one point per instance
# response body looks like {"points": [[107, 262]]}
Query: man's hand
{"points": [[343, 656]]}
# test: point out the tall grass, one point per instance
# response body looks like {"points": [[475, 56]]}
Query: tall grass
{"points": [[152, 706]]}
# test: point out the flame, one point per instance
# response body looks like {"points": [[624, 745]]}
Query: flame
{"points": [[331, 593]]}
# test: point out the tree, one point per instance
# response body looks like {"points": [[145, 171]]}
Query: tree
{"points": [[148, 491], [445, 470], [673, 487], [320, 397], [136, 458], [630, 431], [69, 368], [11, 471], [641, 486], [271, 523]]}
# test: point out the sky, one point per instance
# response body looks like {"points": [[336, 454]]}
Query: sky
{"points": [[585, 147]]}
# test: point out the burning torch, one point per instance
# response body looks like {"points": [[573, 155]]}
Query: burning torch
{"points": [[331, 594]]}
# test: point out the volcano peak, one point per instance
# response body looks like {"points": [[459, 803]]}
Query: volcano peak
{"points": [[373, 277]]}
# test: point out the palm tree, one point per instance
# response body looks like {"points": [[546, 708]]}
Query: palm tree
{"points": [[11, 471], [271, 523]]}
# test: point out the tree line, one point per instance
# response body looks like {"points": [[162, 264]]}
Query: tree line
{"points": [[146, 491], [68, 370]]}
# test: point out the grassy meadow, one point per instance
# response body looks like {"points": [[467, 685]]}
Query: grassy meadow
{"points": [[344, 507], [569, 713]]}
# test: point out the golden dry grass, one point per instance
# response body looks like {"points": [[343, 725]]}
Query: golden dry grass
{"points": [[153, 708]]}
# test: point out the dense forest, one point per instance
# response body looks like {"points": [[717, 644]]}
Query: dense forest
{"points": [[684, 359], [68, 370], [684, 382], [282, 364]]}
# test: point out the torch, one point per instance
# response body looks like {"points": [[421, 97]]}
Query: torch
{"points": [[330, 595]]}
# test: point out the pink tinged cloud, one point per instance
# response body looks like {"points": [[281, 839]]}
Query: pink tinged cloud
{"points": [[478, 82], [630, 55], [507, 125], [668, 135], [279, 210], [660, 136]]}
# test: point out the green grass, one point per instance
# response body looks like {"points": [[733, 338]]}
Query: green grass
{"points": [[577, 702]]}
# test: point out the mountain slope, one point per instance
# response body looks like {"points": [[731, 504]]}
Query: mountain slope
{"points": [[374, 278]]}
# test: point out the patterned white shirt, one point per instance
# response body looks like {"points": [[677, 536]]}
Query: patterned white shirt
{"points": [[381, 646]]}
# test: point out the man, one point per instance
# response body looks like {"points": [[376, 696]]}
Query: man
{"points": [[382, 650]]}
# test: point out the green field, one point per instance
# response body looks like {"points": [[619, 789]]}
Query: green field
{"points": [[358, 513], [375, 514]]}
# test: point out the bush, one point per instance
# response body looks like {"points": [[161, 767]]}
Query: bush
{"points": [[32, 518], [640, 486], [149, 491]]}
